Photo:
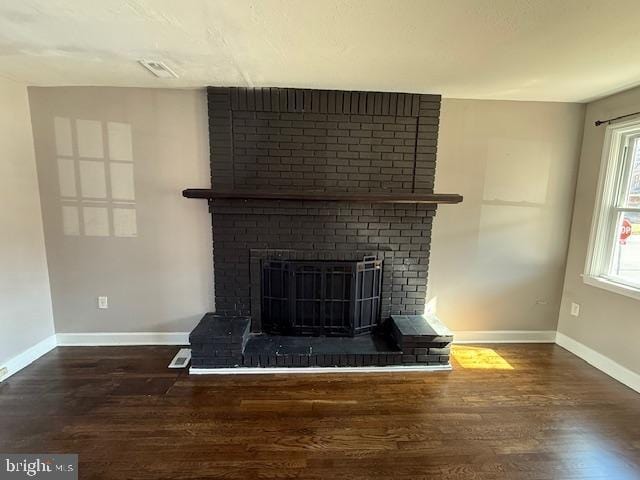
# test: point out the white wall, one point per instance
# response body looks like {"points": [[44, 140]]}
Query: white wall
{"points": [[25, 301], [497, 259], [117, 224], [609, 323]]}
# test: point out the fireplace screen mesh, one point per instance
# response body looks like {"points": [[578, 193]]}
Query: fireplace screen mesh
{"points": [[321, 298]]}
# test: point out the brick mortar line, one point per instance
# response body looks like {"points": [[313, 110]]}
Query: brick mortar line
{"points": [[233, 158], [415, 156]]}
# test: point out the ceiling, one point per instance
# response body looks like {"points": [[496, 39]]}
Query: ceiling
{"points": [[556, 50]]}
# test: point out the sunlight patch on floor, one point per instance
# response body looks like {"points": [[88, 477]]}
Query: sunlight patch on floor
{"points": [[479, 357]]}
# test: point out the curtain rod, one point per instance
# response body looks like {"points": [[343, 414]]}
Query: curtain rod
{"points": [[597, 123]]}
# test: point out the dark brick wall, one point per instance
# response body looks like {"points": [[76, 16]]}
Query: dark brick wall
{"points": [[284, 139], [405, 230], [290, 139]]}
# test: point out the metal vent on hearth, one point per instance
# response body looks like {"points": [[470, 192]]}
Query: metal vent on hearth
{"points": [[182, 358], [158, 68]]}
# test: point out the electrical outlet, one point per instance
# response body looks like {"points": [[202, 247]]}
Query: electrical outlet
{"points": [[103, 302], [3, 372], [575, 309]]}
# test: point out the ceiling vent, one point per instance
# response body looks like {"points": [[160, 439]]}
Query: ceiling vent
{"points": [[159, 69]]}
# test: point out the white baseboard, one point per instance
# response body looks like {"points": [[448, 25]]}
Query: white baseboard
{"points": [[605, 364], [182, 338], [312, 370], [122, 339], [505, 336], [29, 356]]}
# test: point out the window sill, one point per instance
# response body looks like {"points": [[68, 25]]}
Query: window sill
{"points": [[610, 286]]}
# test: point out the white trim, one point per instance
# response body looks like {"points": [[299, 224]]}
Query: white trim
{"points": [[619, 288], [505, 336], [313, 370], [614, 168], [30, 355], [122, 338], [604, 364], [604, 192]]}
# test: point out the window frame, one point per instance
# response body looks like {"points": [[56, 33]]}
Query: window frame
{"points": [[613, 183]]}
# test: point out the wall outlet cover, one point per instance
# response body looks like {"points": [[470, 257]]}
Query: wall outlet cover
{"points": [[3, 372], [103, 302], [575, 309]]}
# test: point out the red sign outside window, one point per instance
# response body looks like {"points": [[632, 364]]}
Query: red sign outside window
{"points": [[625, 231]]}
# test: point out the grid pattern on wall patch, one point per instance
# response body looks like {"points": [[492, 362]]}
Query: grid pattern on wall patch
{"points": [[324, 140], [95, 177]]}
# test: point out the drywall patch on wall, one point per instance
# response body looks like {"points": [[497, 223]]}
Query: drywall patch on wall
{"points": [[497, 258], [517, 170]]}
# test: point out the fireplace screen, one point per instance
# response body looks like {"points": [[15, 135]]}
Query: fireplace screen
{"points": [[321, 298]]}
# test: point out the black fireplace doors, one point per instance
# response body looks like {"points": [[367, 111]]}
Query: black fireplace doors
{"points": [[333, 298]]}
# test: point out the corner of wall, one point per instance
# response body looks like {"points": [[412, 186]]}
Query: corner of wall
{"points": [[26, 316], [613, 352]]}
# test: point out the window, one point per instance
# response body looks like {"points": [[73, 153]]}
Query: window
{"points": [[613, 261]]}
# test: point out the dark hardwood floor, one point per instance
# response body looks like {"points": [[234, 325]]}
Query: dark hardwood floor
{"points": [[521, 412]]}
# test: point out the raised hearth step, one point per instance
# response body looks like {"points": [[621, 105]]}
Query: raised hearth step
{"points": [[218, 340], [290, 351], [221, 341], [421, 328], [424, 337], [283, 345], [224, 328]]}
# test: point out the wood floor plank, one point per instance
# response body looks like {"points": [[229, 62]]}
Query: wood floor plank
{"points": [[505, 412]]}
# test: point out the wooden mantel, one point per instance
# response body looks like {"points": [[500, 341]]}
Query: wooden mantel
{"points": [[433, 198]]}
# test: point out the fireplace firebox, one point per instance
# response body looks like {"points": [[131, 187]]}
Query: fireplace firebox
{"points": [[332, 298]]}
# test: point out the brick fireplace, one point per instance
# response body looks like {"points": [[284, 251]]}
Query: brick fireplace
{"points": [[304, 184]]}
